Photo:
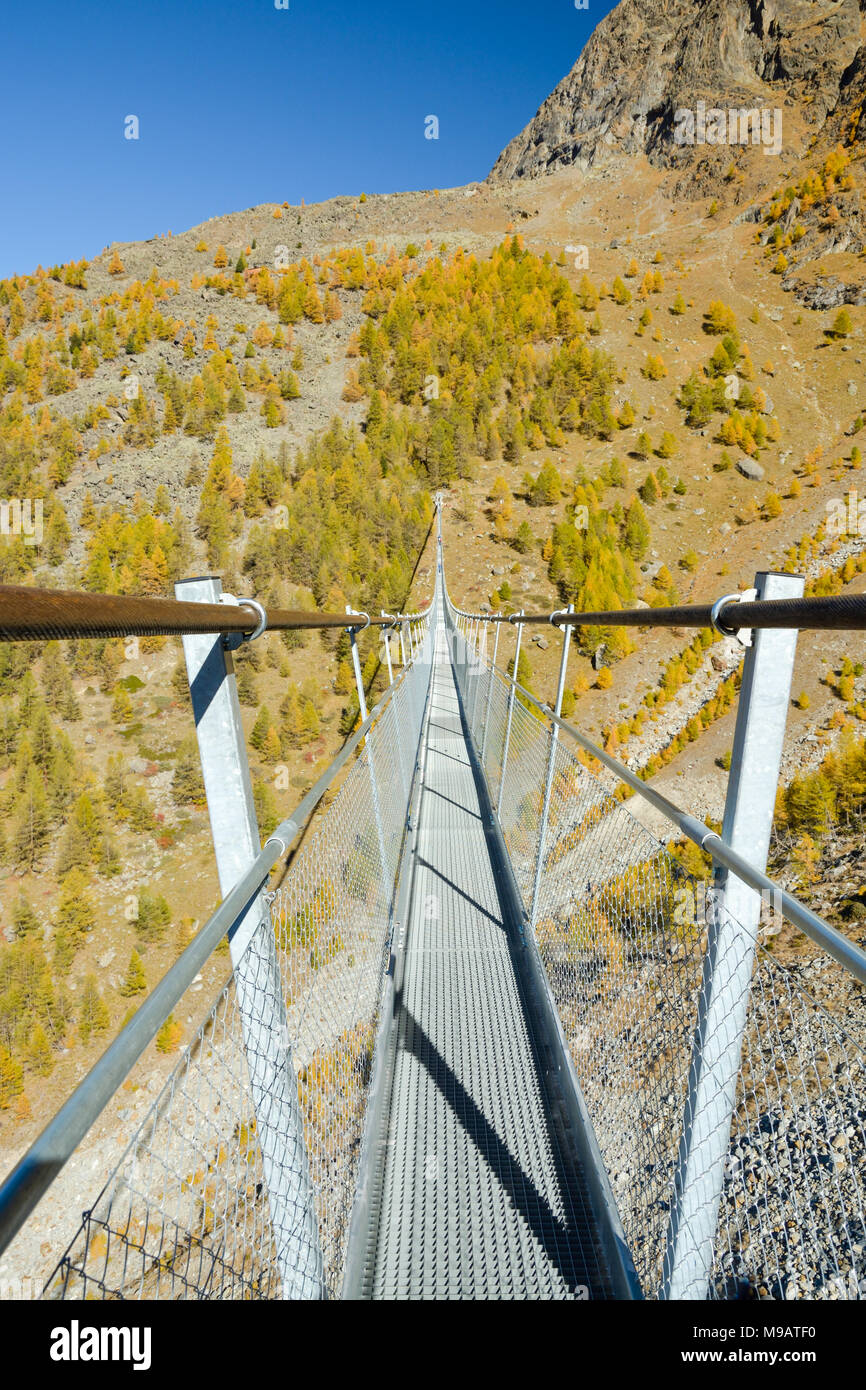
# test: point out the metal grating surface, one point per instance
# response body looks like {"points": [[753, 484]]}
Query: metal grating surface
{"points": [[479, 1197]]}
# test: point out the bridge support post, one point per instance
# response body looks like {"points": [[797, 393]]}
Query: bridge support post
{"points": [[551, 763], [258, 983], [374, 786], [732, 931], [356, 666], [489, 694], [386, 638], [469, 665], [511, 693], [480, 653]]}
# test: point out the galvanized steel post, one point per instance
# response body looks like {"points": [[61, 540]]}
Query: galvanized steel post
{"points": [[356, 664], [551, 763], [258, 983], [362, 704], [481, 647], [386, 638], [490, 693], [728, 962], [511, 694]]}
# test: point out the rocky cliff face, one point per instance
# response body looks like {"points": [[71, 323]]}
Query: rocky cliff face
{"points": [[649, 58]]}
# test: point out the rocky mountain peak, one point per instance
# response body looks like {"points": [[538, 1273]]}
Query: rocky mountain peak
{"points": [[645, 61]]}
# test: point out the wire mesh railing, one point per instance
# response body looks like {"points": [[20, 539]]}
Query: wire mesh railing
{"points": [[625, 936], [241, 1182], [186, 1213]]}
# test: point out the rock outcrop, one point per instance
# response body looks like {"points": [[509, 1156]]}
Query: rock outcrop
{"points": [[646, 60]]}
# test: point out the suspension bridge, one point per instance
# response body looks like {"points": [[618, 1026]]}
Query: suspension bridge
{"points": [[485, 1038]]}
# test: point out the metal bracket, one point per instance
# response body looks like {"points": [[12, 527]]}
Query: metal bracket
{"points": [[350, 612], [233, 639], [560, 613], [262, 624], [743, 634]]}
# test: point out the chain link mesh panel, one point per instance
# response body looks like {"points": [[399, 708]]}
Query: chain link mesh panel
{"points": [[622, 933], [187, 1212]]}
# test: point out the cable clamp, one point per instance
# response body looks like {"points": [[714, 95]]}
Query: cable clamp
{"points": [[261, 613], [743, 634], [232, 639], [350, 613], [560, 613]]}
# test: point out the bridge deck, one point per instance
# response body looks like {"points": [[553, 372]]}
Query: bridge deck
{"points": [[479, 1196]]}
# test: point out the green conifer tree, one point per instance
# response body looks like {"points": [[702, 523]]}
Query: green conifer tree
{"points": [[24, 920], [93, 1015], [135, 980], [33, 826], [11, 1078], [39, 1054], [73, 918]]}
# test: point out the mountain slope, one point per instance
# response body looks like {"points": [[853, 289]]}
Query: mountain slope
{"points": [[644, 61]]}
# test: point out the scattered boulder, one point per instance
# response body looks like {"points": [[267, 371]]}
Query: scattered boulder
{"points": [[750, 469]]}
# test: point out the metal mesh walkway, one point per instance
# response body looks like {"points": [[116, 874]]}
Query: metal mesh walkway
{"points": [[479, 1195]]}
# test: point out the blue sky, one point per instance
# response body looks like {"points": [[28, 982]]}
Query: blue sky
{"points": [[244, 103]]}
